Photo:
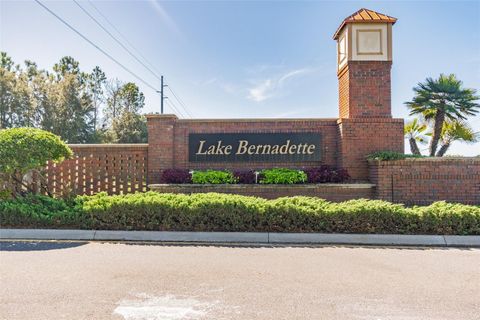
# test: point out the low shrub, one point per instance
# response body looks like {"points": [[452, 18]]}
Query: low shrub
{"points": [[176, 176], [390, 155], [175, 212], [244, 176], [42, 211], [225, 212], [321, 174], [326, 174], [282, 176], [213, 177]]}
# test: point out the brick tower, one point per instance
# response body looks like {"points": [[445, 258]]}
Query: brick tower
{"points": [[364, 61]]}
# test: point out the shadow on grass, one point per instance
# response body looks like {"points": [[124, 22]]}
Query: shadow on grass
{"points": [[39, 245]]}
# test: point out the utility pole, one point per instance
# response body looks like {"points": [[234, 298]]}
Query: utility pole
{"points": [[162, 96]]}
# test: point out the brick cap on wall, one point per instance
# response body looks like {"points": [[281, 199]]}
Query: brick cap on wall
{"points": [[266, 186], [161, 116], [370, 119], [427, 160], [233, 120], [110, 146]]}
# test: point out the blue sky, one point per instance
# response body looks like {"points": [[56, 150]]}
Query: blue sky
{"points": [[248, 58]]}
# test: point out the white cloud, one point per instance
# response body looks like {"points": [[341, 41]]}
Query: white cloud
{"points": [[272, 86], [165, 17]]}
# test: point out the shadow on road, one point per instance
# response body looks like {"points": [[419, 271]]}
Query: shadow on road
{"points": [[286, 245], [45, 245], [38, 245]]}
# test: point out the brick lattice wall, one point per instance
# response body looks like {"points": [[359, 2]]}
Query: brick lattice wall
{"points": [[423, 181], [116, 169]]}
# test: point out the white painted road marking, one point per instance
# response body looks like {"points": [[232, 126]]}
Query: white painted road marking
{"points": [[147, 307]]}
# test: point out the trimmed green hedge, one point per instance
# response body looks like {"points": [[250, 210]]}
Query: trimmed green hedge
{"points": [[213, 177], [282, 176], [224, 212]]}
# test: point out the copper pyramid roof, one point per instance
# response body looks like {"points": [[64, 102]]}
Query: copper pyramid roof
{"points": [[365, 16]]}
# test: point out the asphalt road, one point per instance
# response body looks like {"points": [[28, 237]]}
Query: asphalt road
{"points": [[55, 280]]}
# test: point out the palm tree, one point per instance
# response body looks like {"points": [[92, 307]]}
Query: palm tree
{"points": [[415, 132], [456, 130], [440, 99]]}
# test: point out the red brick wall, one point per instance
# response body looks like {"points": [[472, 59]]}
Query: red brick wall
{"points": [[423, 181], [360, 137], [365, 89], [345, 142], [173, 139], [366, 123], [161, 131], [344, 93], [330, 192]]}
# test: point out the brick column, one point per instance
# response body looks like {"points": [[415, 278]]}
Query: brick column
{"points": [[365, 124], [365, 89], [359, 137], [160, 144]]}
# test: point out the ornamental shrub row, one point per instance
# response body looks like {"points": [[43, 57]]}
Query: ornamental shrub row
{"points": [[282, 176], [322, 174], [224, 212], [213, 177]]}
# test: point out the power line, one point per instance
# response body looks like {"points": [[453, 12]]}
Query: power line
{"points": [[96, 46], [180, 101], [169, 102], [122, 36], [115, 39], [186, 109]]}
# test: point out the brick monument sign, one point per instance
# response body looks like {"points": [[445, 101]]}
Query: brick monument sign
{"points": [[365, 123]]}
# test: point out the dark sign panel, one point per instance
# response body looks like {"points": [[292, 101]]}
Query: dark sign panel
{"points": [[255, 147]]}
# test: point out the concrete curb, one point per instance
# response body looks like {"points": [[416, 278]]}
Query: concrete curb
{"points": [[47, 234], [243, 237], [368, 239], [180, 236]]}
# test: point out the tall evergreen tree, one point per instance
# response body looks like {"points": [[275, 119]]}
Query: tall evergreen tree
{"points": [[127, 125], [96, 83], [68, 102], [15, 102]]}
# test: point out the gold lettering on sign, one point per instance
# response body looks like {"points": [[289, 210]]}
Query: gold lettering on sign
{"points": [[292, 149], [200, 147], [284, 148], [254, 146], [266, 149], [245, 148], [311, 149], [242, 147]]}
